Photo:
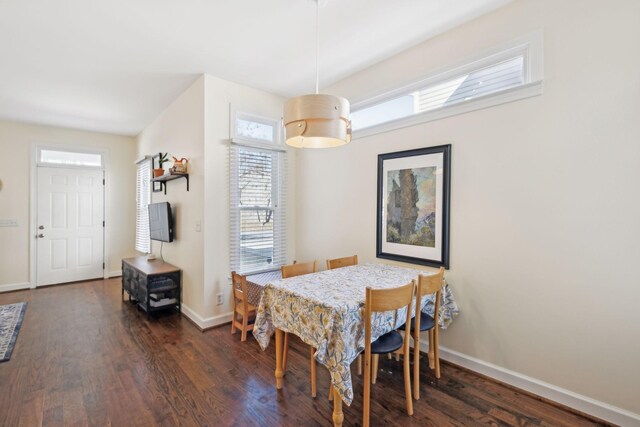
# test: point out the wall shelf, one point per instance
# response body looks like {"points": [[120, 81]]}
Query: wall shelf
{"points": [[164, 178]]}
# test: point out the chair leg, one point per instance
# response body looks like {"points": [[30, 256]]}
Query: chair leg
{"points": [[233, 323], [407, 384], [245, 325], [285, 352], [313, 372], [431, 346], [416, 367], [360, 364], [330, 391], [436, 351], [367, 391], [374, 373]]}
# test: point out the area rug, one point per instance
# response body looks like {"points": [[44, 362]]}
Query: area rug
{"points": [[11, 316]]}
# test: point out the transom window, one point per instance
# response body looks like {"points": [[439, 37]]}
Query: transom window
{"points": [[61, 157], [510, 72], [250, 127]]}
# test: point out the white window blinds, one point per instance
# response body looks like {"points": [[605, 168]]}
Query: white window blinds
{"points": [[258, 235], [143, 198]]}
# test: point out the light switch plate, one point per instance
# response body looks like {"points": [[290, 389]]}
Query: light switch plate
{"points": [[8, 222]]}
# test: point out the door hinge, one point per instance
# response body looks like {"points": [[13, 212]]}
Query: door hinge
{"points": [[103, 265], [103, 223], [102, 181]]}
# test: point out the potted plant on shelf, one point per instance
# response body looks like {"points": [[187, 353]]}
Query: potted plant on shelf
{"points": [[162, 158]]}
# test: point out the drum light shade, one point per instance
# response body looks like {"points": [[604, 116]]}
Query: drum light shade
{"points": [[317, 121]]}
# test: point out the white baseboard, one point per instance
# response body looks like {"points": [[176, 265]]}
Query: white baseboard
{"points": [[565, 397], [115, 273], [15, 286], [205, 323]]}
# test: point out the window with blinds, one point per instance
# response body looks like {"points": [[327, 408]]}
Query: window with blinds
{"points": [[258, 235], [143, 198], [508, 73]]}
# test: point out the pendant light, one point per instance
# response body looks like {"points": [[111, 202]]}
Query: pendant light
{"points": [[317, 120]]}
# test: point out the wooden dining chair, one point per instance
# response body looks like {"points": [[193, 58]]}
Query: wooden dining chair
{"points": [[292, 270], [342, 262], [241, 306], [381, 300], [298, 269], [332, 264], [427, 285]]}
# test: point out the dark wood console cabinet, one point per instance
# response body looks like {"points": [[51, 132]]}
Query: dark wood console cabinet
{"points": [[154, 285]]}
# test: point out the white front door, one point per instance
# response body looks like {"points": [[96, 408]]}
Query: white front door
{"points": [[70, 225]]}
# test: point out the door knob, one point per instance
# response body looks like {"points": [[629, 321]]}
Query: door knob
{"points": [[41, 227], [40, 236]]}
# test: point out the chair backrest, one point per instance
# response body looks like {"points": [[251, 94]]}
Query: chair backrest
{"points": [[298, 269], [378, 300], [239, 284], [427, 285], [342, 262]]}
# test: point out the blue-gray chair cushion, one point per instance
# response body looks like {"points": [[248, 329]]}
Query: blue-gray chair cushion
{"points": [[426, 322], [387, 343]]}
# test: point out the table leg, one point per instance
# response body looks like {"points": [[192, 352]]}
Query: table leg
{"points": [[313, 373], [338, 415], [279, 373], [431, 353]]}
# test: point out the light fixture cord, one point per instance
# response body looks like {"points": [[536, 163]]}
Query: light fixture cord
{"points": [[317, 45]]}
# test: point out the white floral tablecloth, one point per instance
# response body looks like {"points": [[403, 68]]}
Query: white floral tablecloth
{"points": [[326, 311], [257, 282]]}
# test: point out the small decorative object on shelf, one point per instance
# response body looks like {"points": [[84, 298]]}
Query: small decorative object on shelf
{"points": [[162, 158], [179, 166]]}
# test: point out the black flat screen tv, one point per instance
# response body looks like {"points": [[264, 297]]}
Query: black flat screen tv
{"points": [[160, 222]]}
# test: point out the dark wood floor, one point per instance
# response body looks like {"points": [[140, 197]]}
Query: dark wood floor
{"points": [[83, 357]]}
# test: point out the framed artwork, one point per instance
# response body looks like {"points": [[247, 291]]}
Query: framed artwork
{"points": [[413, 206]]}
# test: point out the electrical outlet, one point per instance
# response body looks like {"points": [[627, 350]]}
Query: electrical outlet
{"points": [[219, 299], [198, 226]]}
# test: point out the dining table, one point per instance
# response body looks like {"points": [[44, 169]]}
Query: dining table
{"points": [[326, 311]]}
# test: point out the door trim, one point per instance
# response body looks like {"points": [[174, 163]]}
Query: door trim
{"points": [[33, 201]]}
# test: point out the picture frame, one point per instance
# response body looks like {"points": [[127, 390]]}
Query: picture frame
{"points": [[413, 207]]}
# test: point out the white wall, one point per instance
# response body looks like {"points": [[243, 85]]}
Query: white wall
{"points": [[179, 130], [219, 94], [15, 143], [196, 126], [545, 216]]}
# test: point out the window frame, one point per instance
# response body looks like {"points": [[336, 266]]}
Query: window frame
{"points": [[278, 190], [238, 114], [530, 47], [278, 208], [70, 149]]}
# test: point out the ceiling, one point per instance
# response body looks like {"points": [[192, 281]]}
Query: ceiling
{"points": [[114, 65]]}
